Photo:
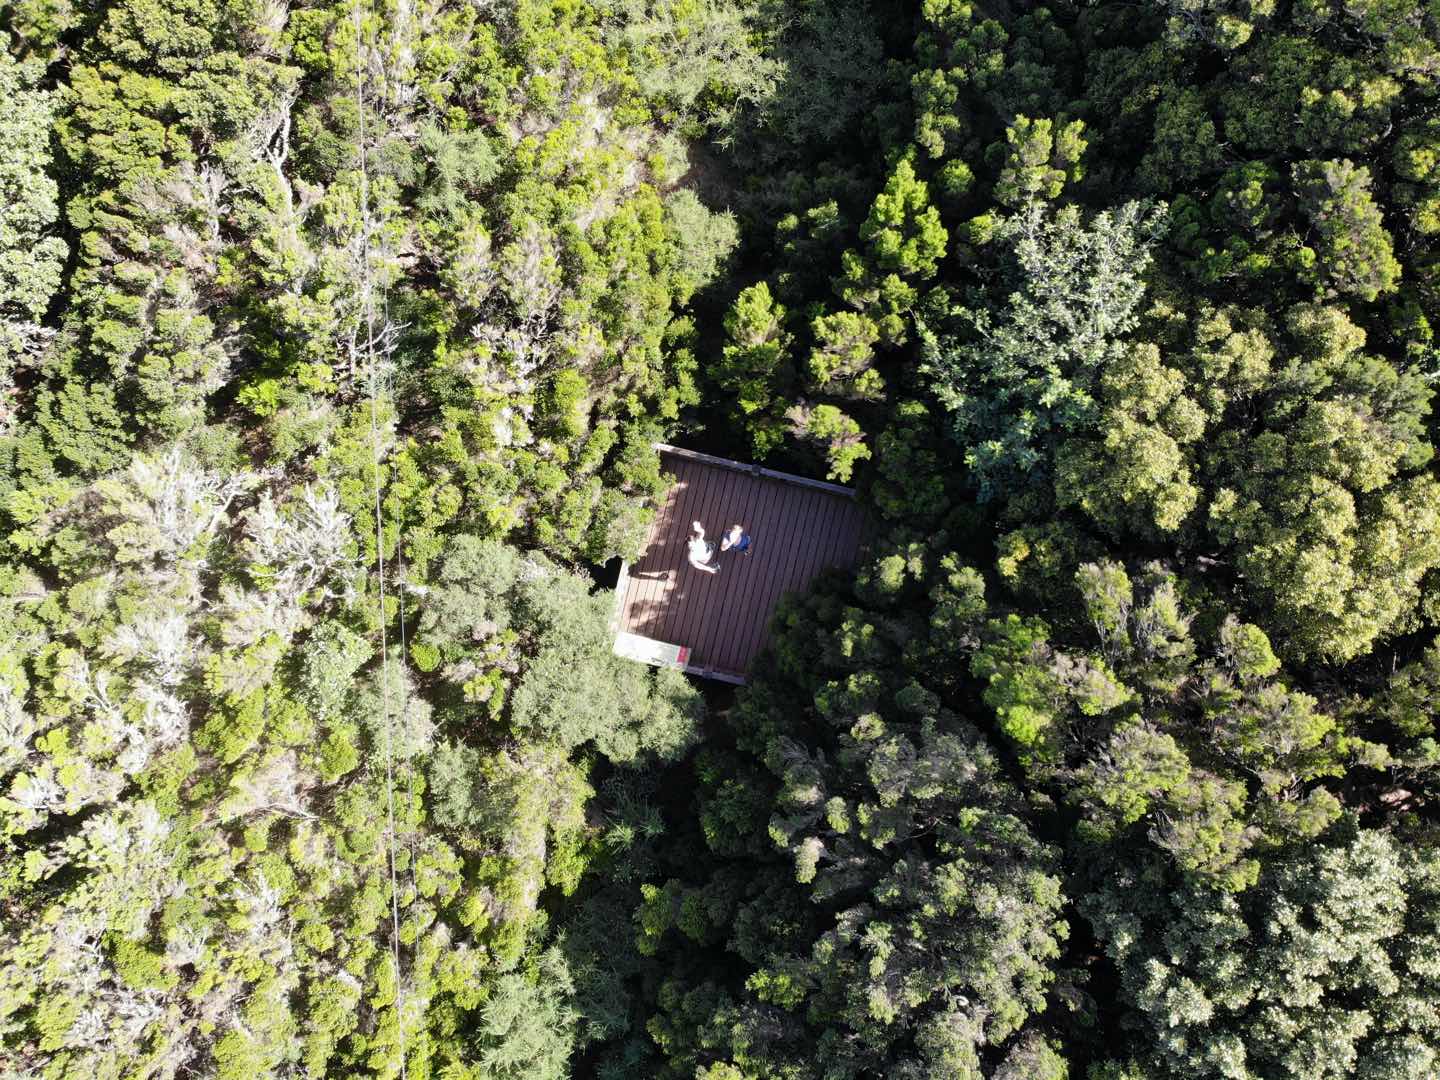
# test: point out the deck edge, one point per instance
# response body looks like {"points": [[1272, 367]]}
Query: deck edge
{"points": [[622, 586], [714, 675], [755, 470]]}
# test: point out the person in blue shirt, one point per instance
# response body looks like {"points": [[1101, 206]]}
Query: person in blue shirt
{"points": [[737, 540]]}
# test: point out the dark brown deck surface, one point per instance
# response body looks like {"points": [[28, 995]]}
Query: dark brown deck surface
{"points": [[798, 528]]}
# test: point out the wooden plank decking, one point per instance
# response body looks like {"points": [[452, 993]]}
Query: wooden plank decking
{"points": [[720, 621]]}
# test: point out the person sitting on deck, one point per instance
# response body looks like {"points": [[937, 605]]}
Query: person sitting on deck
{"points": [[737, 539], [701, 551]]}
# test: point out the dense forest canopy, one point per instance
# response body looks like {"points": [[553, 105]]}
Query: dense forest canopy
{"points": [[336, 337]]}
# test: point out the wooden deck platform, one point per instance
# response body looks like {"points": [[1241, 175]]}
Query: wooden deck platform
{"points": [[713, 625]]}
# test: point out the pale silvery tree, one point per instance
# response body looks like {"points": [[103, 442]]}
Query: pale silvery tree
{"points": [[250, 614], [132, 734], [274, 787], [166, 506], [148, 713], [17, 726], [299, 553], [301, 547], [158, 641], [519, 323]]}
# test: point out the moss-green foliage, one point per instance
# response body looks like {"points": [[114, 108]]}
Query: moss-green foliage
{"points": [[206, 762], [217, 186], [335, 341], [843, 901], [32, 256], [1118, 376], [523, 647], [1198, 796], [1316, 949], [205, 758], [1111, 721]]}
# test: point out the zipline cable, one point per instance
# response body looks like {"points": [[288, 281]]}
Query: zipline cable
{"points": [[400, 609], [368, 309], [405, 687]]}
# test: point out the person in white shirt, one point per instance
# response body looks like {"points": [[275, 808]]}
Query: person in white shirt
{"points": [[701, 550]]}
